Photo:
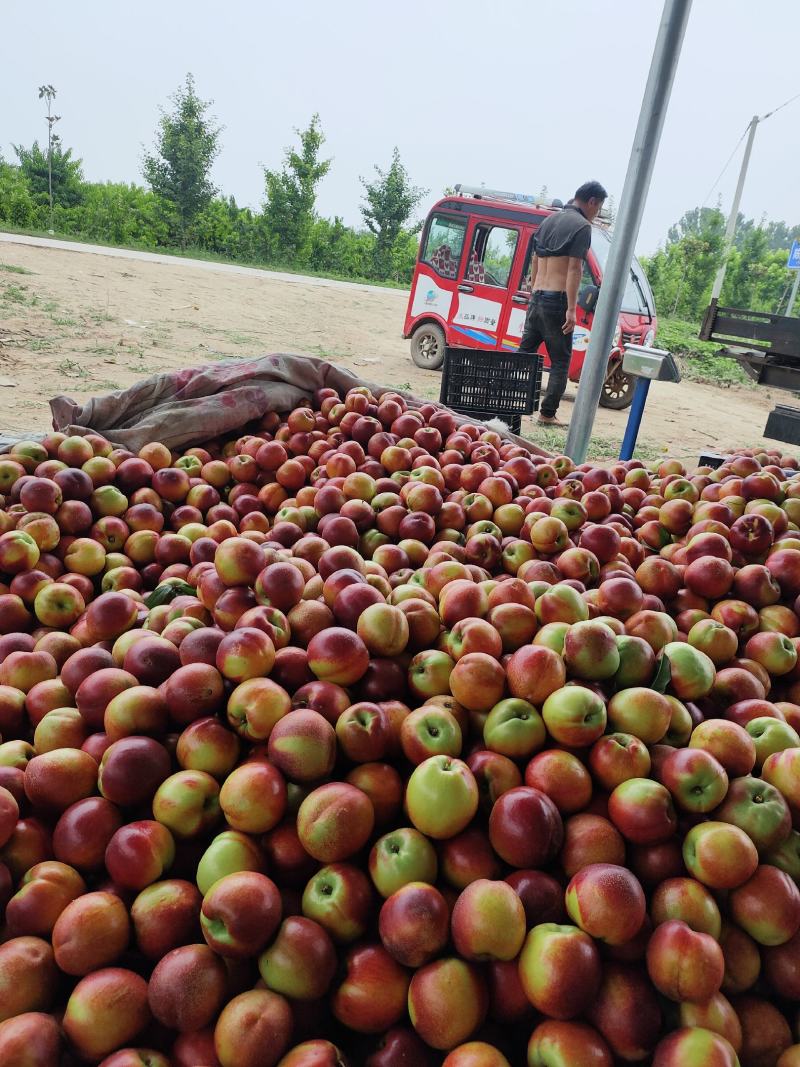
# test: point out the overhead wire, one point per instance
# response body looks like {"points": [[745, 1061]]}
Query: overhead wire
{"points": [[728, 163], [760, 118], [780, 107]]}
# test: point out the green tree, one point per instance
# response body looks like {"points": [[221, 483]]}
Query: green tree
{"points": [[291, 195], [390, 201], [42, 170], [699, 222], [780, 235], [756, 277], [178, 169], [681, 274]]}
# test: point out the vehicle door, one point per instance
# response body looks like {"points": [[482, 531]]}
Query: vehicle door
{"points": [[482, 300], [433, 287]]}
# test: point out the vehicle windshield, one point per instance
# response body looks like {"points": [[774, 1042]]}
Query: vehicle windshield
{"points": [[638, 297]]}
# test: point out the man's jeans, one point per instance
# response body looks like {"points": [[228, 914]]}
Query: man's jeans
{"points": [[544, 322]]}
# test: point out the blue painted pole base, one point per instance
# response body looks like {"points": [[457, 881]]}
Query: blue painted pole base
{"points": [[634, 418]]}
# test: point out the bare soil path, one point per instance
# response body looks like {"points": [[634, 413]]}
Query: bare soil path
{"points": [[83, 320]]}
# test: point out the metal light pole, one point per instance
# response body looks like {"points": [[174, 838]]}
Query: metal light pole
{"points": [[730, 229], [48, 92], [637, 182]]}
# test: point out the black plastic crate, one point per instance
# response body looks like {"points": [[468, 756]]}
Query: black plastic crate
{"points": [[497, 383]]}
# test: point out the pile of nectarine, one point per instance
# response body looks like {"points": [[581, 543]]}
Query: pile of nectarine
{"points": [[367, 738]]}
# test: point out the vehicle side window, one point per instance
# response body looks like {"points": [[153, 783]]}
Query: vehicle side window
{"points": [[492, 255], [444, 244]]}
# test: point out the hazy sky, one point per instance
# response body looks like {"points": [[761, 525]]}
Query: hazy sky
{"points": [[514, 95]]}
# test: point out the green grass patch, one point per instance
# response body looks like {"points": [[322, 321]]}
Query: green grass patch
{"points": [[331, 354], [715, 370], [219, 357], [70, 368], [237, 338], [16, 294], [12, 268], [553, 441], [699, 361]]}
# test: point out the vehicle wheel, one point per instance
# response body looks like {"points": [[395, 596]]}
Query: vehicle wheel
{"points": [[427, 346], [617, 389]]}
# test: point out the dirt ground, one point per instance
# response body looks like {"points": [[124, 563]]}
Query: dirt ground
{"points": [[80, 323]]}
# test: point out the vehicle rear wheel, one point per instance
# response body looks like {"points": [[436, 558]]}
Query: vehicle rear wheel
{"points": [[427, 346], [617, 389]]}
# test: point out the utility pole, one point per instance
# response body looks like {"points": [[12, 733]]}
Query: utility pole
{"points": [[634, 193], [49, 93], [730, 229]]}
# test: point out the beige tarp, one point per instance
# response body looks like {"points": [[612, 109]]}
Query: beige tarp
{"points": [[186, 407]]}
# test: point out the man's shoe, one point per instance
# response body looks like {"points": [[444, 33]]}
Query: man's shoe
{"points": [[555, 423]]}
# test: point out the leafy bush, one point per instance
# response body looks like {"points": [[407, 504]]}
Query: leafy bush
{"points": [[404, 256], [339, 249], [225, 229], [17, 206], [117, 213]]}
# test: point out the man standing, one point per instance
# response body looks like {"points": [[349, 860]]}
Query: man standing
{"points": [[560, 246]]}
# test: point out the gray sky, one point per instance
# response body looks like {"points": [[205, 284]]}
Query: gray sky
{"points": [[515, 95]]}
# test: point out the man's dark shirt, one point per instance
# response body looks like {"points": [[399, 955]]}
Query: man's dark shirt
{"points": [[565, 233]]}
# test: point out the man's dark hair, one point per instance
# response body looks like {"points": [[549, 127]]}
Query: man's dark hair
{"points": [[590, 191]]}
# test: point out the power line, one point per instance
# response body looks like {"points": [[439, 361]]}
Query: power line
{"points": [[722, 172], [761, 118], [775, 110]]}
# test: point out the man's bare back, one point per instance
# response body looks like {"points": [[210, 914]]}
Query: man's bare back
{"points": [[559, 274], [551, 274]]}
